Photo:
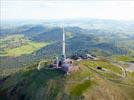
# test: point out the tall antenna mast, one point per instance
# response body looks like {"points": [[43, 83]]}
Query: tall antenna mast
{"points": [[63, 45]]}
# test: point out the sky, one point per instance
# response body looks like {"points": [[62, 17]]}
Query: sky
{"points": [[38, 10]]}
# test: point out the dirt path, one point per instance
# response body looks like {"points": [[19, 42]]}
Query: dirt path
{"points": [[39, 65], [130, 67], [124, 74], [108, 79]]}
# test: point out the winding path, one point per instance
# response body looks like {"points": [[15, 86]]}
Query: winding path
{"points": [[104, 77], [124, 74], [39, 65]]}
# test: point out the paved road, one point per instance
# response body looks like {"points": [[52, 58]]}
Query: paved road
{"points": [[124, 71], [104, 77], [131, 66]]}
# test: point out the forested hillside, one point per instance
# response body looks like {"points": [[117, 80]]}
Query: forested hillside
{"points": [[31, 42]]}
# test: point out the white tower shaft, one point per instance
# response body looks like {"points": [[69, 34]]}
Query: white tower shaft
{"points": [[63, 45]]}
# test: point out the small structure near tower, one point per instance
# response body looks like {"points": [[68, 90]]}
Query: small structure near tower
{"points": [[65, 64]]}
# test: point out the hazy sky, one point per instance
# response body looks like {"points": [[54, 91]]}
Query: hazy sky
{"points": [[67, 9]]}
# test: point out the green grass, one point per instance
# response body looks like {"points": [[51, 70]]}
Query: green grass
{"points": [[11, 37], [25, 49], [80, 75], [132, 74], [109, 75], [49, 84], [102, 63], [80, 88], [9, 41], [34, 81], [16, 45], [123, 58]]}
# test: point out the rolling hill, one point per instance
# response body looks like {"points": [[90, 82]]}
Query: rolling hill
{"points": [[46, 42], [24, 45], [87, 83]]}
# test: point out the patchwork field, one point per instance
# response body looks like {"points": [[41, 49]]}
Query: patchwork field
{"points": [[17, 45], [29, 48]]}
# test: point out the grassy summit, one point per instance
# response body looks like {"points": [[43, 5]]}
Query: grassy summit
{"points": [[88, 83]]}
